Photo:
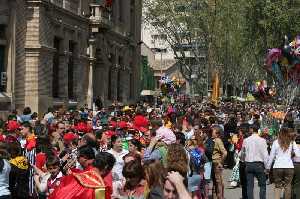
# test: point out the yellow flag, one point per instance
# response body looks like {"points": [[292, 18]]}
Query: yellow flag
{"points": [[216, 88]]}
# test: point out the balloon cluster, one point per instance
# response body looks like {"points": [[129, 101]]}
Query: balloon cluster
{"points": [[261, 91], [284, 63], [169, 87]]}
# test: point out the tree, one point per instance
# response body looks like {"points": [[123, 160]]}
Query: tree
{"points": [[233, 35], [187, 25], [266, 24]]}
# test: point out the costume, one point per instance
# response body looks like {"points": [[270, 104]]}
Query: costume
{"points": [[85, 185], [19, 177]]}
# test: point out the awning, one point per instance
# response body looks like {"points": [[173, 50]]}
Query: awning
{"points": [[148, 93]]}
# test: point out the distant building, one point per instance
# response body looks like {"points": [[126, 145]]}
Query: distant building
{"points": [[163, 54], [68, 52]]}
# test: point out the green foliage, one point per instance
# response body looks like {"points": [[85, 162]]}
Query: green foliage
{"points": [[235, 34], [147, 75]]}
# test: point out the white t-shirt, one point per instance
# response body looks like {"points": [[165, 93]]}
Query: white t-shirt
{"points": [[118, 167]]}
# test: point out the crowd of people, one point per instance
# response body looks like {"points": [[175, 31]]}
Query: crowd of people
{"points": [[143, 151]]}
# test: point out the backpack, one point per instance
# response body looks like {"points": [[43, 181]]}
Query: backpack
{"points": [[196, 159], [209, 148]]}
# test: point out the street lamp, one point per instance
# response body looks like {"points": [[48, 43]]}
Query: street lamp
{"points": [[193, 77]]}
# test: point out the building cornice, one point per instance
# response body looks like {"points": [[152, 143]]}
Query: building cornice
{"points": [[69, 13]]}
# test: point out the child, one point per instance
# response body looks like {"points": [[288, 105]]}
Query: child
{"points": [[47, 182]]}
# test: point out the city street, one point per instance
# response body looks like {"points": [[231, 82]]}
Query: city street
{"points": [[237, 193], [131, 99]]}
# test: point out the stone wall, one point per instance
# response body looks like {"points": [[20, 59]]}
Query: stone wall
{"points": [[20, 63], [37, 25]]}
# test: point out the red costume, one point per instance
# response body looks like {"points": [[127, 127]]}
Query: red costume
{"points": [[85, 185]]}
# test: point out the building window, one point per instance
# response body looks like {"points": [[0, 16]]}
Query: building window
{"points": [[109, 94], [131, 86], [119, 83], [71, 70], [121, 7], [55, 68], [119, 90], [2, 31]]}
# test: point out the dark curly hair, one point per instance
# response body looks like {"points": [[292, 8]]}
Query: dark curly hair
{"points": [[133, 172]]}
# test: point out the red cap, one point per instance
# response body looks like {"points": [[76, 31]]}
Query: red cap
{"points": [[140, 120], [142, 129], [123, 124], [113, 124], [68, 137], [109, 133], [12, 125]]}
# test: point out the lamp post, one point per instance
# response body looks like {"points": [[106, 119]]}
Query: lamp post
{"points": [[193, 77]]}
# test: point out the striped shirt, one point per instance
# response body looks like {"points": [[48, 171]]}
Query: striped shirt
{"points": [[30, 155]]}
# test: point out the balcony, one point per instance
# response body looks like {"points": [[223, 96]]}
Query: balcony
{"points": [[100, 18], [119, 28], [70, 5]]}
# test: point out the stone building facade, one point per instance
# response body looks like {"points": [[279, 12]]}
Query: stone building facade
{"points": [[117, 34], [65, 52]]}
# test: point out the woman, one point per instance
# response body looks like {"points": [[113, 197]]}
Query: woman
{"points": [[135, 184], [131, 156], [282, 151], [238, 142], [135, 146], [177, 159], [154, 173], [4, 173]]}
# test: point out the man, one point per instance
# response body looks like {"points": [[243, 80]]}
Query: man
{"points": [[69, 154], [28, 143], [89, 139], [256, 159], [86, 157], [218, 156], [58, 135], [49, 117], [90, 184]]}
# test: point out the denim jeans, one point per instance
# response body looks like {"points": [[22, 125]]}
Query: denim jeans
{"points": [[256, 169], [243, 179], [5, 197]]}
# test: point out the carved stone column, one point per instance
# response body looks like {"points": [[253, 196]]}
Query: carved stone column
{"points": [[92, 50]]}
